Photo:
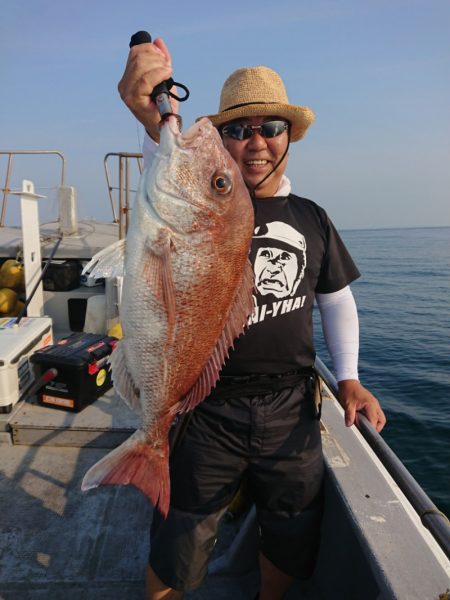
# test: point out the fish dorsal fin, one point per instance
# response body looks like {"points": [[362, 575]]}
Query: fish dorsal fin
{"points": [[239, 313], [123, 382]]}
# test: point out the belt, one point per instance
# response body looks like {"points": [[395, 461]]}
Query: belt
{"points": [[263, 377], [230, 386]]}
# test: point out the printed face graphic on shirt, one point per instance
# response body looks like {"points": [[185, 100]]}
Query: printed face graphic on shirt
{"points": [[275, 271], [280, 259]]}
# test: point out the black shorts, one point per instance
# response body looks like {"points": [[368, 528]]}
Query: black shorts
{"points": [[272, 438]]}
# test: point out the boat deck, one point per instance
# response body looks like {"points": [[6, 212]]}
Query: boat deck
{"points": [[60, 543], [57, 542]]}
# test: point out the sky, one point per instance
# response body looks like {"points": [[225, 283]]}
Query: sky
{"points": [[376, 74]]}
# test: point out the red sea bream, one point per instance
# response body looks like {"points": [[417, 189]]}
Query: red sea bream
{"points": [[187, 294]]}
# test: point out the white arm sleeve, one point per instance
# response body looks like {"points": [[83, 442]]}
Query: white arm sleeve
{"points": [[149, 148], [341, 331]]}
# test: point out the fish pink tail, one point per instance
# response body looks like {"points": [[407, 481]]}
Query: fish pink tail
{"points": [[136, 463]]}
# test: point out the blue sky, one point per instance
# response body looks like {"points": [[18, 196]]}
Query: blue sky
{"points": [[376, 73]]}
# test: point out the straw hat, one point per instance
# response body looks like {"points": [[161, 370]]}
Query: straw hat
{"points": [[259, 91]]}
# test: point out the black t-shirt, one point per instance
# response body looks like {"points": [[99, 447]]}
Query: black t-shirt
{"points": [[296, 252]]}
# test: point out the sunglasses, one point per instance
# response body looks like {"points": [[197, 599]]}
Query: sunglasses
{"points": [[269, 129]]}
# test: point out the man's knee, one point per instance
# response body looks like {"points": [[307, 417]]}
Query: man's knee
{"points": [[181, 546], [155, 589], [291, 543]]}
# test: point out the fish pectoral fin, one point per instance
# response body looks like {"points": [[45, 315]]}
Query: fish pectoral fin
{"points": [[158, 273], [123, 382], [138, 463], [241, 309]]}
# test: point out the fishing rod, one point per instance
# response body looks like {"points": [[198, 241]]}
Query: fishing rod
{"points": [[161, 94]]}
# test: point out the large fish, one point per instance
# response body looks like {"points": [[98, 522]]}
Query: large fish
{"points": [[187, 294]]}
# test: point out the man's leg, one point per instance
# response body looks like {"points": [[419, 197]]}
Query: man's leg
{"points": [[285, 480], [155, 589], [274, 583], [204, 478]]}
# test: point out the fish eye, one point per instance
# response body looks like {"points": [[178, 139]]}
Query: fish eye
{"points": [[221, 183]]}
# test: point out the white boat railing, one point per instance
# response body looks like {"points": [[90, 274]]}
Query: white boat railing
{"points": [[6, 190], [431, 517], [120, 209]]}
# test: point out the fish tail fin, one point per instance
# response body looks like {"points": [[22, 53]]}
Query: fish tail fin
{"points": [[136, 463]]}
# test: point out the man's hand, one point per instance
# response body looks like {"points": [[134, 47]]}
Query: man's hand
{"points": [[147, 66], [356, 398]]}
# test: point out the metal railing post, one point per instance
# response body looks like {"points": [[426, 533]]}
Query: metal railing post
{"points": [[122, 215], [6, 191]]}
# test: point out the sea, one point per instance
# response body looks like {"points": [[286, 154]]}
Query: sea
{"points": [[403, 299]]}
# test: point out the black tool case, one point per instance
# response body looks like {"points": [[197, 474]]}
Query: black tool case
{"points": [[84, 372]]}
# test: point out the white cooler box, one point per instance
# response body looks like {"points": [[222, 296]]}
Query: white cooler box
{"points": [[17, 344]]}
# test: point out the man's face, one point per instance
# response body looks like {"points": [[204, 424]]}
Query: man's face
{"points": [[276, 271], [257, 156]]}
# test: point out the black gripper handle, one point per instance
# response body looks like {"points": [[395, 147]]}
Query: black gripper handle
{"points": [[140, 37], [143, 37]]}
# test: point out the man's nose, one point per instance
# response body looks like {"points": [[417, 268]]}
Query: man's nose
{"points": [[257, 141]]}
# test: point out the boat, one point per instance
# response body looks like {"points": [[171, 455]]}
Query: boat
{"points": [[382, 537]]}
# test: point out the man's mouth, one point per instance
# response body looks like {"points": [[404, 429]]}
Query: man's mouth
{"points": [[259, 162]]}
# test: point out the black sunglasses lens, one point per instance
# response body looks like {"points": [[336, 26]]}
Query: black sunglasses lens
{"points": [[237, 131], [271, 129]]}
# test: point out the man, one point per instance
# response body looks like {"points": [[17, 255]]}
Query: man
{"points": [[260, 421]]}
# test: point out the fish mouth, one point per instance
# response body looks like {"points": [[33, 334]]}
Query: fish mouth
{"points": [[173, 122], [170, 128]]}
